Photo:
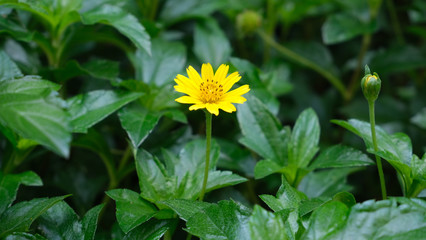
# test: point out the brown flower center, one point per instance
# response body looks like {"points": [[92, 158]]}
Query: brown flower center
{"points": [[211, 91]]}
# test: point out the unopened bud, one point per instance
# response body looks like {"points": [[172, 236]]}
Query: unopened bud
{"points": [[370, 85], [248, 22]]}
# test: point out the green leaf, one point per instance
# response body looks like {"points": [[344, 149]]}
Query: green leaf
{"points": [[341, 156], [221, 179], [167, 60], [138, 123], [303, 144], [151, 230], [326, 220], [90, 108], [225, 220], [344, 26], [383, 220], [20, 216], [262, 131], [420, 119], [89, 222], [96, 68], [15, 30], [211, 44], [398, 59], [175, 11], [267, 167], [24, 236], [9, 185], [132, 210], [61, 222], [287, 197], [124, 22], [185, 208], [266, 225], [325, 183], [29, 107], [8, 69], [236, 158]]}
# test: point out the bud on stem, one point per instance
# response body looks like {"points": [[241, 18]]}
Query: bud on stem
{"points": [[370, 85]]}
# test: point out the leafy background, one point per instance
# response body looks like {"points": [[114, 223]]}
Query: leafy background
{"points": [[87, 108]]}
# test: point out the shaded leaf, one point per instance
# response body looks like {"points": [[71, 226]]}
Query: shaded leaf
{"points": [[89, 108], [185, 208], [132, 210], [151, 230], [341, 156], [266, 225], [8, 69]]}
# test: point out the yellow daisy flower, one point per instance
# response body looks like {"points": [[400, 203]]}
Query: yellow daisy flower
{"points": [[210, 91]]}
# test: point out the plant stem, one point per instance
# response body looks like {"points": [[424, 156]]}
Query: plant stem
{"points": [[336, 82], [395, 22], [378, 160], [208, 140]]}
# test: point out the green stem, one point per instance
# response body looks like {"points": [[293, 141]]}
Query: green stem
{"points": [[208, 140], [395, 22], [336, 82], [378, 160]]}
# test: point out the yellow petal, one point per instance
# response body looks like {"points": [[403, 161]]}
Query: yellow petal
{"points": [[187, 99], [212, 108], [207, 72], [227, 107], [230, 81], [235, 99], [186, 82], [221, 73], [197, 106], [236, 92], [193, 74]]}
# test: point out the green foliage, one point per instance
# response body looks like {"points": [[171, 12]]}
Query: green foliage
{"points": [[87, 104]]}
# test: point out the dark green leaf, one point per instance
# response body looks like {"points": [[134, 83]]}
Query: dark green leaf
{"points": [[266, 167], [343, 26], [24, 236], [96, 68], [151, 230], [341, 156], [287, 197], [138, 123], [167, 60], [326, 220], [15, 30], [266, 225], [303, 144], [90, 108], [124, 22], [398, 59], [211, 44], [8, 69], [225, 220], [234, 157], [325, 183], [29, 107], [174, 11], [262, 131], [9, 185], [20, 216], [89, 222], [132, 210], [185, 208]]}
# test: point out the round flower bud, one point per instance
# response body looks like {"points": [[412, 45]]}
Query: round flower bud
{"points": [[371, 85], [248, 22]]}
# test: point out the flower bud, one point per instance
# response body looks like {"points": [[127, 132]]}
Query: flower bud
{"points": [[370, 85], [248, 22]]}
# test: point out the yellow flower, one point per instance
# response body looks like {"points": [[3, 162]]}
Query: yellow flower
{"points": [[210, 91]]}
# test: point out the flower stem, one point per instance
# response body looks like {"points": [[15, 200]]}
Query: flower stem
{"points": [[208, 140], [378, 160]]}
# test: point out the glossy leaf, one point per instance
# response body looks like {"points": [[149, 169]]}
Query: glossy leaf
{"points": [[132, 210], [29, 107], [287, 198], [90, 108], [124, 22], [151, 230], [20, 216], [185, 208], [420, 119], [266, 225], [24, 236], [166, 61], [10, 183], [138, 123], [61, 222], [8, 69], [262, 131], [303, 144], [225, 220], [211, 44], [341, 156]]}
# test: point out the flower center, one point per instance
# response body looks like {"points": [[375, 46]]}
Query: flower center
{"points": [[211, 91]]}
